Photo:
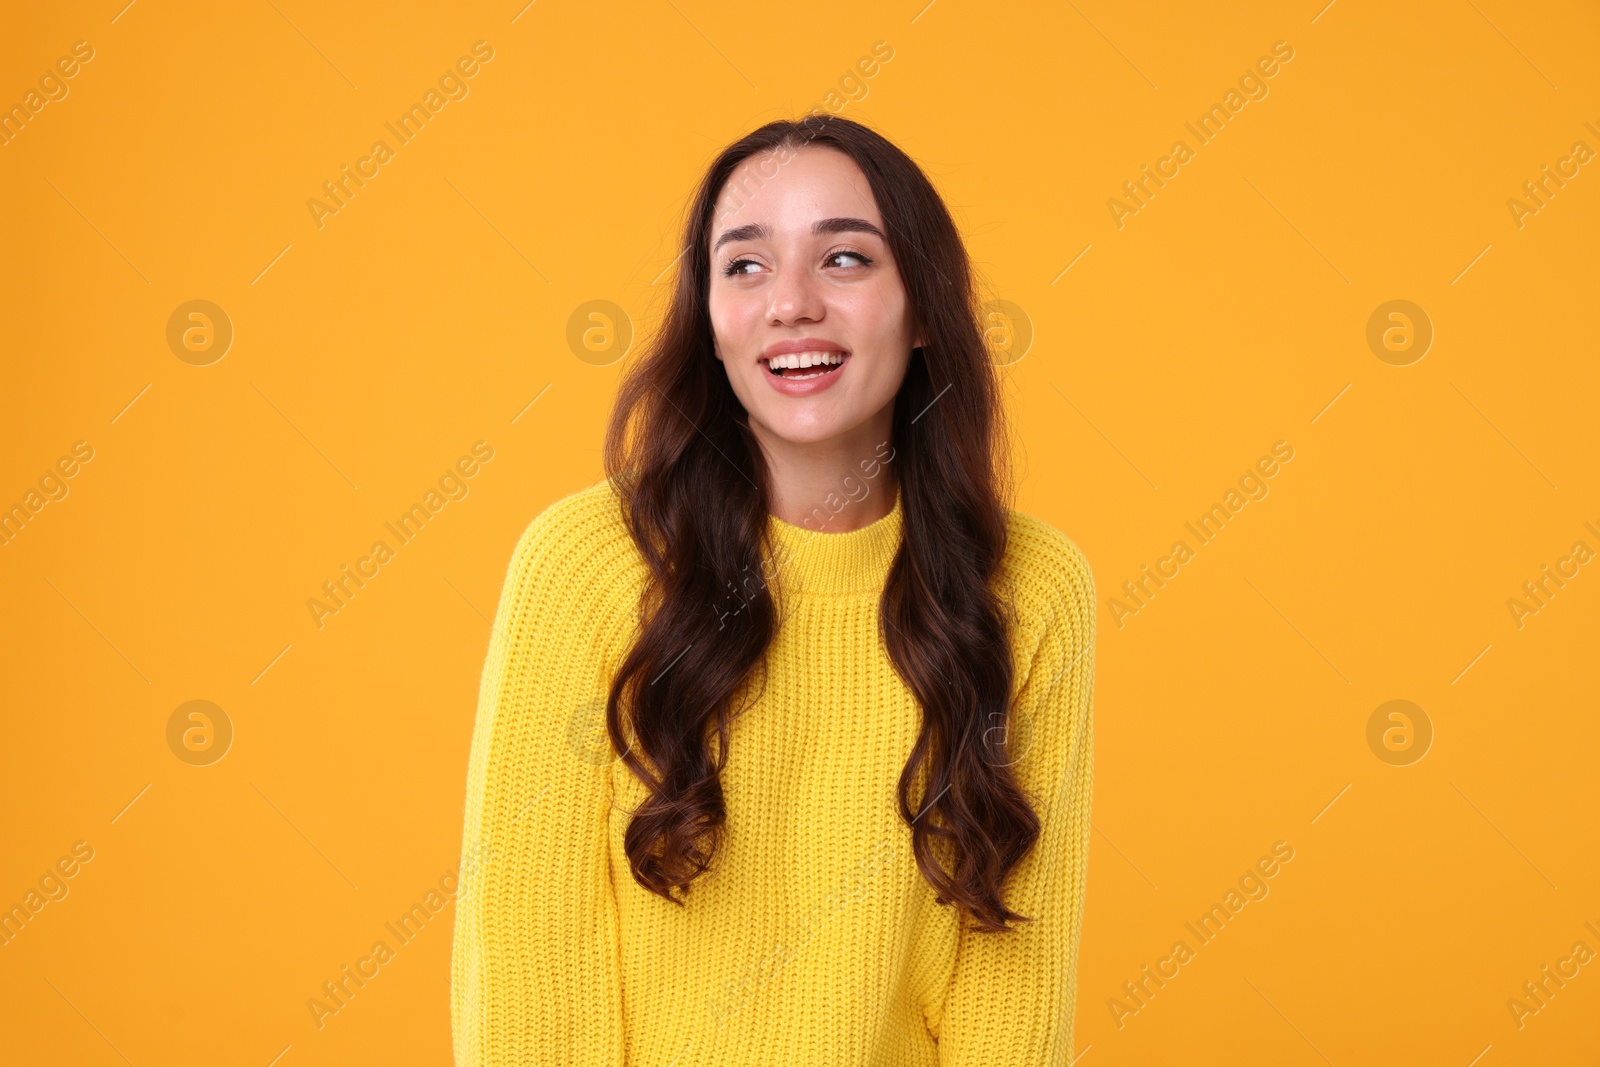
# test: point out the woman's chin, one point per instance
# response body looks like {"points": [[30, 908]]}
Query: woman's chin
{"points": [[785, 429]]}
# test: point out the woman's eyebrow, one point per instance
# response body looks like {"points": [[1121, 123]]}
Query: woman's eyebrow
{"points": [[757, 231]]}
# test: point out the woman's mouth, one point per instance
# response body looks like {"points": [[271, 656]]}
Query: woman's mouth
{"points": [[804, 366]]}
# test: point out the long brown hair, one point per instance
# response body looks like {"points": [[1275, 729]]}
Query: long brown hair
{"points": [[694, 487]]}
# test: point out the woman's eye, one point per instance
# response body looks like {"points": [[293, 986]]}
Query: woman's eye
{"points": [[852, 260]]}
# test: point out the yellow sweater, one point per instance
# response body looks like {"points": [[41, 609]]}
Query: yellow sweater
{"points": [[814, 939]]}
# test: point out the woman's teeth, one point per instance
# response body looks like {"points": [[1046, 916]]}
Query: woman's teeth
{"points": [[801, 362]]}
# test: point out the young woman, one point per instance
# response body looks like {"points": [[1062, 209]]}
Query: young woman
{"points": [[783, 750]]}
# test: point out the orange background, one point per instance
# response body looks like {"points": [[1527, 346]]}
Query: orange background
{"points": [[1230, 312]]}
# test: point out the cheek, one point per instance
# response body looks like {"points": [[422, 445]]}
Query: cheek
{"points": [[735, 318], [721, 324], [878, 315], [884, 347], [888, 372]]}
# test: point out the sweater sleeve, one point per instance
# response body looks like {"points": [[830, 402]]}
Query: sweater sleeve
{"points": [[535, 969], [1012, 996]]}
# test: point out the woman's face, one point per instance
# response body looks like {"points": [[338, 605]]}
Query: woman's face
{"points": [[801, 272]]}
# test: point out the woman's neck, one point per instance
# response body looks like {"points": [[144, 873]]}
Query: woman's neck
{"points": [[834, 486]]}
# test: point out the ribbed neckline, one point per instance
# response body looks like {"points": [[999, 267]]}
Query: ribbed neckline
{"points": [[856, 561]]}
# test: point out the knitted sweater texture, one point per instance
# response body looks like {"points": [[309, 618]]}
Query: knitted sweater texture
{"points": [[814, 939]]}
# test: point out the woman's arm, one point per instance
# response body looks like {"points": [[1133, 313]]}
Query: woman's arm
{"points": [[1012, 997], [535, 974]]}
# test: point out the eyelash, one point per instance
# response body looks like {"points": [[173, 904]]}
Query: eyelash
{"points": [[730, 270]]}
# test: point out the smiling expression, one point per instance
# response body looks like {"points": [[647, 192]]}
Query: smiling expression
{"points": [[802, 280]]}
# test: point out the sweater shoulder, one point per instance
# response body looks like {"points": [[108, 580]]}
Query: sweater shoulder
{"points": [[1049, 586], [579, 545], [1044, 568]]}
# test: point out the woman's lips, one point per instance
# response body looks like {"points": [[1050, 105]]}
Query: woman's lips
{"points": [[819, 378]]}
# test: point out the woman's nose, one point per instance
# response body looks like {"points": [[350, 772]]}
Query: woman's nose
{"points": [[795, 297]]}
